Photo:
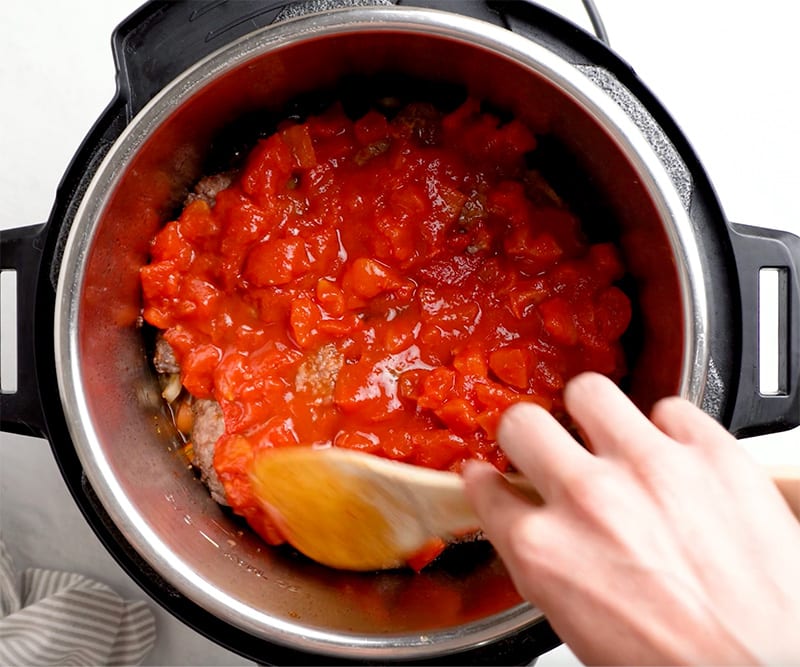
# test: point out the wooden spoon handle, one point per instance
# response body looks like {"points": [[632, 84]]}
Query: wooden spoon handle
{"points": [[787, 479]]}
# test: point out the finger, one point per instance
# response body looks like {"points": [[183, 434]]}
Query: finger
{"points": [[685, 422], [613, 425], [541, 448], [522, 532], [504, 514]]}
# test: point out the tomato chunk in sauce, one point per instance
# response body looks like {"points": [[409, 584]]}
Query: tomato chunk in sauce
{"points": [[388, 285]]}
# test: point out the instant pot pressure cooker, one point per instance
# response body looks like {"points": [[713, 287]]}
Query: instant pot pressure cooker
{"points": [[188, 73]]}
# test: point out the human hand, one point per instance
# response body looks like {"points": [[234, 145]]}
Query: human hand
{"points": [[661, 542]]}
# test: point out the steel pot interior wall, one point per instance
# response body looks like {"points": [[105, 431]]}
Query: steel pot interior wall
{"points": [[123, 434]]}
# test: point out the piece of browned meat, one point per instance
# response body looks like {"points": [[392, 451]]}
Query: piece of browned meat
{"points": [[164, 356], [317, 374], [208, 187], [207, 428]]}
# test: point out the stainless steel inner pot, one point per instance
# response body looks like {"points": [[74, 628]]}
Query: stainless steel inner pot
{"points": [[110, 396]]}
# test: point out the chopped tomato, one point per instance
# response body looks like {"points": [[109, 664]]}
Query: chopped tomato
{"points": [[299, 141], [276, 262], [511, 366], [428, 553], [558, 321], [197, 370]]}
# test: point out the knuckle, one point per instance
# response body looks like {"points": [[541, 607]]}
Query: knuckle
{"points": [[527, 543], [586, 490], [660, 471], [651, 475], [667, 409]]}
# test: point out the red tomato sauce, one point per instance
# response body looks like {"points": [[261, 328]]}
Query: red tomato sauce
{"points": [[384, 285]]}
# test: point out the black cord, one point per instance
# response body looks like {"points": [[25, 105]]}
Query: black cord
{"points": [[597, 21]]}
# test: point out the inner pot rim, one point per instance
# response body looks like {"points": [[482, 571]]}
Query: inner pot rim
{"points": [[438, 25]]}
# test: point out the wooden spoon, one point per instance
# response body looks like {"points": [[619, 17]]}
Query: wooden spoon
{"points": [[787, 479], [356, 511]]}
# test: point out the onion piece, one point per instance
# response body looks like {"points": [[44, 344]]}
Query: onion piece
{"points": [[172, 388]]}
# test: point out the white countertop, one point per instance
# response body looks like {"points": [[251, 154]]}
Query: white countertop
{"points": [[727, 72]]}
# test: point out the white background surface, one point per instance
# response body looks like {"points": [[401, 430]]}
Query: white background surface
{"points": [[727, 72]]}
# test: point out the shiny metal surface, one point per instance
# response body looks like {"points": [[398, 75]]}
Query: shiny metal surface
{"points": [[124, 439]]}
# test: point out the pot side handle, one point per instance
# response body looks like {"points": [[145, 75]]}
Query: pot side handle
{"points": [[754, 412], [21, 252]]}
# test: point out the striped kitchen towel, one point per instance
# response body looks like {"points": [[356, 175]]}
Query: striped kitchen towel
{"points": [[60, 618]]}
